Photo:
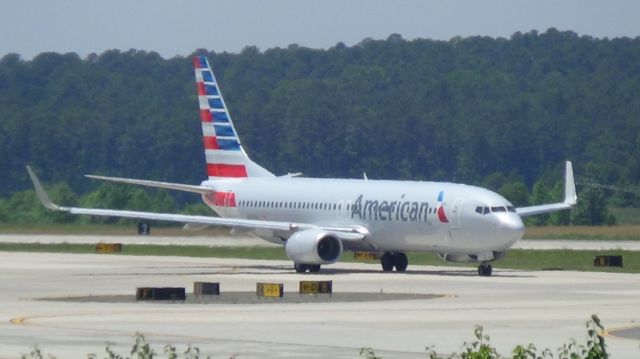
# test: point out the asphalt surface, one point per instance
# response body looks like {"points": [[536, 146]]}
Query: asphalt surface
{"points": [[546, 308], [247, 241]]}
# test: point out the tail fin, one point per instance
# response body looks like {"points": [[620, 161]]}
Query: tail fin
{"points": [[225, 156]]}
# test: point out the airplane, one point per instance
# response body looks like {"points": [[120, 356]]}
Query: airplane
{"points": [[317, 219]]}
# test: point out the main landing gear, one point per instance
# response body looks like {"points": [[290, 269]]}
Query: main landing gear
{"points": [[485, 269], [394, 259], [302, 268]]}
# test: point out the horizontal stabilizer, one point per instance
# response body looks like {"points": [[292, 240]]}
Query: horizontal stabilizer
{"points": [[165, 185]]}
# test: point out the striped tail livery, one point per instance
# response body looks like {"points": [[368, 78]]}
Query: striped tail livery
{"points": [[224, 153]]}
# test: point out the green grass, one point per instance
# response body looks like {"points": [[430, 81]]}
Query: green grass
{"points": [[515, 259], [597, 233]]}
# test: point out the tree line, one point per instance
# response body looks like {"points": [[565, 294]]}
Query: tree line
{"points": [[500, 113]]}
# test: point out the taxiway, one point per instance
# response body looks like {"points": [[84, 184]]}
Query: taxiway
{"points": [[547, 308]]}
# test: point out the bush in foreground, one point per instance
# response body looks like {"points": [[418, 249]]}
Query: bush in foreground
{"points": [[480, 348]]}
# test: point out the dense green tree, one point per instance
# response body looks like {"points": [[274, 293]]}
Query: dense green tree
{"points": [[561, 218], [539, 195], [591, 209], [516, 192], [476, 110]]}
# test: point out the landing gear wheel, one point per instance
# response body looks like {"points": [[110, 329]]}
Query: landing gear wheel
{"points": [[400, 261], [300, 268], [387, 262], [313, 268], [485, 269]]}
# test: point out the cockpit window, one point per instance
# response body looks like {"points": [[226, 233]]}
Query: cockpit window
{"points": [[511, 209], [483, 210], [498, 209]]}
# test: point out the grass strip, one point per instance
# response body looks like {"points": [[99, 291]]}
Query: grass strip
{"points": [[596, 233], [523, 259]]}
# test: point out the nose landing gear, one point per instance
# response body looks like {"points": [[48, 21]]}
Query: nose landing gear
{"points": [[485, 269]]}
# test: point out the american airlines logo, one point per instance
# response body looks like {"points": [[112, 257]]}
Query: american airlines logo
{"points": [[401, 210]]}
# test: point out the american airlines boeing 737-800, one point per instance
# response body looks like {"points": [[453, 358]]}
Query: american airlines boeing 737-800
{"points": [[316, 219]]}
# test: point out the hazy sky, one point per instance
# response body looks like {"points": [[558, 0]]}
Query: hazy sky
{"points": [[178, 27]]}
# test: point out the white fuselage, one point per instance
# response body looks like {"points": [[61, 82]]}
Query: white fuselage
{"points": [[400, 215]]}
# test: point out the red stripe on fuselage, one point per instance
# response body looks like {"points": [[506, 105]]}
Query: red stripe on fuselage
{"points": [[226, 170], [441, 215], [221, 199]]}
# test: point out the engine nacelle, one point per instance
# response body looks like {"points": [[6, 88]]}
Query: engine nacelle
{"points": [[472, 258], [313, 246]]}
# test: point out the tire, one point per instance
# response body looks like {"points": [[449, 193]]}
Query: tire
{"points": [[485, 270], [313, 268], [387, 262], [401, 262], [300, 268]]}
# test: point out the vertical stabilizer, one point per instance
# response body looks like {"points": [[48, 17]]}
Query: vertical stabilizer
{"points": [[224, 153]]}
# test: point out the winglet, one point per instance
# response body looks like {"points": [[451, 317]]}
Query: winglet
{"points": [[570, 196], [42, 195]]}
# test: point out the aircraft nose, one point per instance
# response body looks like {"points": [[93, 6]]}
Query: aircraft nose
{"points": [[510, 229]]}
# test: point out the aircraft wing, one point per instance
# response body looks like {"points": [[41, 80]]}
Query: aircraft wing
{"points": [[355, 233], [570, 197]]}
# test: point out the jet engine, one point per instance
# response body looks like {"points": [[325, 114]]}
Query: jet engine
{"points": [[313, 246], [472, 258]]}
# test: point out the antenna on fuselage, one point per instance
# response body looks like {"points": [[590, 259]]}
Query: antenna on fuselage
{"points": [[364, 175]]}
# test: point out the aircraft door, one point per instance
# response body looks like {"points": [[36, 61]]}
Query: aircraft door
{"points": [[456, 210]]}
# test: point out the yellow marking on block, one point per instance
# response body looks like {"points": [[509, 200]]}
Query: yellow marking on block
{"points": [[108, 248], [316, 287], [272, 290], [365, 256]]}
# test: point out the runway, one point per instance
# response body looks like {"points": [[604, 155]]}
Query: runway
{"points": [[249, 241], [547, 308]]}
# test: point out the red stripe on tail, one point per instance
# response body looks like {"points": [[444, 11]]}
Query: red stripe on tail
{"points": [[210, 143], [201, 91], [226, 170], [205, 116]]}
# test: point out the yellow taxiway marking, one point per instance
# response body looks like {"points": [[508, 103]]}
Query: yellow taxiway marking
{"points": [[18, 320]]}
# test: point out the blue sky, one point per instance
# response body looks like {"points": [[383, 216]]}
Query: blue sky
{"points": [[174, 28]]}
